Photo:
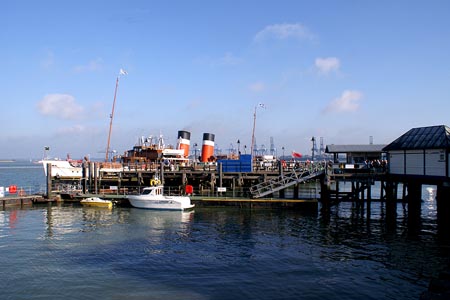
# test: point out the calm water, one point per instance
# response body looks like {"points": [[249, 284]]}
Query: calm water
{"points": [[71, 252]]}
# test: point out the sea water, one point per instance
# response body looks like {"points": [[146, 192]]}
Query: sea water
{"points": [[61, 251]]}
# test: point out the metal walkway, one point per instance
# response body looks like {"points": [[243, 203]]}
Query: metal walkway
{"points": [[286, 180]]}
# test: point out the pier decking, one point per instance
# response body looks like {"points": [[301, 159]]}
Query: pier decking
{"points": [[21, 200]]}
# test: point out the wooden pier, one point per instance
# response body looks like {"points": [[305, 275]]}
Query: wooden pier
{"points": [[22, 200], [205, 180], [407, 163]]}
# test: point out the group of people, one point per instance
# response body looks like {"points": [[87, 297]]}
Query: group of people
{"points": [[379, 165]]}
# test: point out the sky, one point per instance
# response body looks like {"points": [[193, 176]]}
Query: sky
{"points": [[344, 72]]}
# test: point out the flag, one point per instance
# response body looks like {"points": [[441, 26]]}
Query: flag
{"points": [[296, 154], [123, 72], [46, 148]]}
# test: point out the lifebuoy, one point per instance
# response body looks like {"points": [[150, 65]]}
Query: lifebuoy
{"points": [[155, 182], [12, 189]]}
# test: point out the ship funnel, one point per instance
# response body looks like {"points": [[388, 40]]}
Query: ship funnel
{"points": [[184, 141], [208, 146]]}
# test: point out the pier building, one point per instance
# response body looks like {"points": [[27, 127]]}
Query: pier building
{"points": [[356, 154], [421, 156], [421, 153]]}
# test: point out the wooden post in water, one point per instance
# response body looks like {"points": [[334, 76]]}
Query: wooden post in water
{"points": [[91, 176], [220, 174], [337, 190], [240, 184], [84, 177], [233, 187], [95, 178], [212, 183], [183, 178], [296, 188], [280, 171], [414, 205], [391, 204], [49, 180], [382, 189]]}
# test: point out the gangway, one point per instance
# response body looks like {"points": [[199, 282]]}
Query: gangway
{"points": [[283, 181]]}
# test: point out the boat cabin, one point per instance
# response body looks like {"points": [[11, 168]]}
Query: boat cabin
{"points": [[154, 190]]}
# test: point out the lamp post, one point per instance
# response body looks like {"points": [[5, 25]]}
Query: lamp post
{"points": [[245, 149], [239, 147], [282, 148], [314, 148], [195, 152]]}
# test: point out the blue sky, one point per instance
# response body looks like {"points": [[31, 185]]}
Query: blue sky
{"points": [[340, 70]]}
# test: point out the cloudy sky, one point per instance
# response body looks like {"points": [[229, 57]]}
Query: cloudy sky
{"points": [[341, 70]]}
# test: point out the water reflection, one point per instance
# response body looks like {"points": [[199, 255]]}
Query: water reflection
{"points": [[220, 253]]}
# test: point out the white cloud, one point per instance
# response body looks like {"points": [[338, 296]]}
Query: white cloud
{"points": [[257, 87], [61, 106], [283, 31], [92, 66], [327, 65], [347, 102]]}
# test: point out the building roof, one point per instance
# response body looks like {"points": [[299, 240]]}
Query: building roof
{"points": [[433, 137], [365, 148]]}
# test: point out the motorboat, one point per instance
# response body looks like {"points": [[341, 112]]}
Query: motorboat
{"points": [[152, 198], [96, 202]]}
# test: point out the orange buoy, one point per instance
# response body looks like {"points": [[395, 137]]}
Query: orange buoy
{"points": [[184, 141], [12, 189], [208, 146]]}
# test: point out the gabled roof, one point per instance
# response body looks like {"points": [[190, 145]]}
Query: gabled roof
{"points": [[365, 148], [433, 137]]}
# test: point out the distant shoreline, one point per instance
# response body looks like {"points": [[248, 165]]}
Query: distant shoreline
{"points": [[7, 160]]}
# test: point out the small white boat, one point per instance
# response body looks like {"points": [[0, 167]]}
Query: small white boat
{"points": [[96, 202], [153, 198]]}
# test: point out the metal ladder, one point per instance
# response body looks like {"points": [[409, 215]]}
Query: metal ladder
{"points": [[286, 180]]}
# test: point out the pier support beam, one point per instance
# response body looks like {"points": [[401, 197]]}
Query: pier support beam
{"points": [[414, 199], [92, 177], [84, 176], [391, 204], [443, 209], [221, 175], [161, 172], [96, 178], [296, 189]]}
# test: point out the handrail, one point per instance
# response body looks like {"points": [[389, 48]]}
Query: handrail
{"points": [[306, 172]]}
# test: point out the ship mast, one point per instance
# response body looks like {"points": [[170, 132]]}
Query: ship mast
{"points": [[253, 132], [111, 116], [254, 126]]}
